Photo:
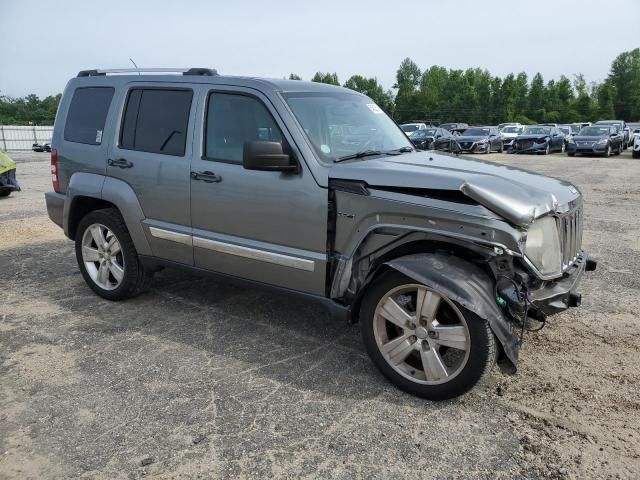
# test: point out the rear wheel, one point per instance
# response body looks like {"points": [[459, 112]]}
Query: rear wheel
{"points": [[107, 257], [423, 342]]}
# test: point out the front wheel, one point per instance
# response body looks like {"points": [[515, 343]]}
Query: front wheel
{"points": [[423, 342], [607, 152], [547, 149], [107, 257]]}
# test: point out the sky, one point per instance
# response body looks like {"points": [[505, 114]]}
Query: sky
{"points": [[45, 42]]}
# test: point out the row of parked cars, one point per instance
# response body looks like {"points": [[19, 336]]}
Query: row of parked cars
{"points": [[604, 137]]}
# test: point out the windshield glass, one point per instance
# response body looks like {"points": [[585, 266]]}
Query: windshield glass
{"points": [[425, 132], [341, 124], [536, 131], [477, 132], [594, 131], [412, 127], [511, 129]]}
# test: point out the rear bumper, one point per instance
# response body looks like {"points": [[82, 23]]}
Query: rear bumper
{"points": [[558, 295], [55, 207]]}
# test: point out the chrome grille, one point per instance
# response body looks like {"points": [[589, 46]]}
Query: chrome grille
{"points": [[570, 226]]}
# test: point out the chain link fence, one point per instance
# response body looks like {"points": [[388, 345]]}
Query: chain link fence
{"points": [[18, 138]]}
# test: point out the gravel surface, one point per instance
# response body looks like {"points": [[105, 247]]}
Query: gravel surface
{"points": [[202, 378]]}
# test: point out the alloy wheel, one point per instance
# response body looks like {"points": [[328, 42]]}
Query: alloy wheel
{"points": [[102, 256], [422, 335]]}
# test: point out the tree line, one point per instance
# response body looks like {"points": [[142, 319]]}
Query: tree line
{"points": [[473, 96]]}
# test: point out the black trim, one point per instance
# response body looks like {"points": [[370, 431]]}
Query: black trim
{"points": [[204, 72], [90, 73], [349, 186]]}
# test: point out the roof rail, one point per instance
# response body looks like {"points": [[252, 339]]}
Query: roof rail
{"points": [[209, 72]]}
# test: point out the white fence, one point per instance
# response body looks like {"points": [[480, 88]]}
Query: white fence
{"points": [[15, 138]]}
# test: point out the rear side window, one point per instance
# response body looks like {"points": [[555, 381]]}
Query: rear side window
{"points": [[156, 120], [87, 115]]}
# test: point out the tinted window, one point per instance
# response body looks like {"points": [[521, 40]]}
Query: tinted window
{"points": [[233, 120], [156, 120], [87, 115]]}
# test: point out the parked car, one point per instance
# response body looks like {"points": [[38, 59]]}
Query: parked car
{"points": [[432, 139], [596, 139], [479, 140], [454, 126], [539, 139], [8, 181], [501, 126], [568, 130], [509, 134], [622, 127], [412, 127], [45, 147], [239, 177], [636, 144]]}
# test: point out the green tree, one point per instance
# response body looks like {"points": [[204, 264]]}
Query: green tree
{"points": [[407, 99], [606, 95], [535, 99], [371, 88], [330, 78], [625, 77], [293, 76]]}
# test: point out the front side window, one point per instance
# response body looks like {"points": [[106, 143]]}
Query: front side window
{"points": [[343, 124], [233, 120], [156, 121], [87, 115]]}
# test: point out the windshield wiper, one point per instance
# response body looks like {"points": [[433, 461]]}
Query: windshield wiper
{"points": [[398, 151], [362, 154]]}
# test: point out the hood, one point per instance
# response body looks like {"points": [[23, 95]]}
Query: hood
{"points": [[471, 138], [585, 138], [517, 195], [533, 137]]}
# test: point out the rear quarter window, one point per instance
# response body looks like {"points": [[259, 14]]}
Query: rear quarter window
{"points": [[87, 115]]}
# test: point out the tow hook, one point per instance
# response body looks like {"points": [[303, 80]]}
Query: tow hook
{"points": [[575, 299], [591, 265]]}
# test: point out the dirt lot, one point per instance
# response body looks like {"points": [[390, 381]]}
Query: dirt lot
{"points": [[213, 379]]}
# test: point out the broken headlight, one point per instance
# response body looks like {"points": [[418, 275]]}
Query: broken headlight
{"points": [[542, 247]]}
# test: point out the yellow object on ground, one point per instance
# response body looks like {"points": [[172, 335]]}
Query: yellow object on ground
{"points": [[6, 163]]}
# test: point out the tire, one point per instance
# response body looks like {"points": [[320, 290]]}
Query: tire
{"points": [[607, 152], [463, 369], [620, 149], [5, 193], [547, 149], [501, 149], [571, 154], [635, 154], [132, 276]]}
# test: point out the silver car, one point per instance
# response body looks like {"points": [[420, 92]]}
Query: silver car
{"points": [[314, 190]]}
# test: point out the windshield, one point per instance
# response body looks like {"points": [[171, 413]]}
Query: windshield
{"points": [[594, 131], [477, 132], [362, 124], [511, 129], [411, 127], [536, 131], [428, 132], [565, 130]]}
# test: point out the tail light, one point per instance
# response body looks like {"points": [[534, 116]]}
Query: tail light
{"points": [[54, 170]]}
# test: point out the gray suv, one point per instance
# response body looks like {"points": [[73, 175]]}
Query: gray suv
{"points": [[313, 189]]}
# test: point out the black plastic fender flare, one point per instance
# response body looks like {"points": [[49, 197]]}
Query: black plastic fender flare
{"points": [[466, 284]]}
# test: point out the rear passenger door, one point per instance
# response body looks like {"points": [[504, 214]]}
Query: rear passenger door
{"points": [[152, 154], [260, 225]]}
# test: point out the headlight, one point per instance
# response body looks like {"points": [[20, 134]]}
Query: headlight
{"points": [[542, 247], [481, 142], [542, 140], [603, 141]]}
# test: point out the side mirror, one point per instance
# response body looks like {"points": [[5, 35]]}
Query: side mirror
{"points": [[266, 156]]}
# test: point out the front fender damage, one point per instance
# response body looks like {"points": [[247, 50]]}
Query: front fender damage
{"points": [[466, 284]]}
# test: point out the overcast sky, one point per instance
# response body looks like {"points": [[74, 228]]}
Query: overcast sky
{"points": [[44, 42]]}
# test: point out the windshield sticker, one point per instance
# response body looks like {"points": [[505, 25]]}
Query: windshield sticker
{"points": [[374, 108], [98, 136], [325, 149]]}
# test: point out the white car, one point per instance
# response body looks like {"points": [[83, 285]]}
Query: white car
{"points": [[636, 144], [509, 134], [412, 127]]}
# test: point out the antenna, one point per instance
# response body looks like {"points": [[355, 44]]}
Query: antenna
{"points": [[134, 64]]}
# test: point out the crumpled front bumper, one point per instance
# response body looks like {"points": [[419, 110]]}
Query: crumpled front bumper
{"points": [[558, 295], [9, 182]]}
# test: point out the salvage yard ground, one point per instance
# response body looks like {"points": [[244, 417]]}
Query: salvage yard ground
{"points": [[205, 378]]}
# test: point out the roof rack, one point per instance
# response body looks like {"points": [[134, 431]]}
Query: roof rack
{"points": [[206, 72]]}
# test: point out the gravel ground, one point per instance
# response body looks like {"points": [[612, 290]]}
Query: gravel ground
{"points": [[213, 379]]}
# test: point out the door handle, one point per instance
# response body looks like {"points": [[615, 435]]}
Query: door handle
{"points": [[120, 162], [206, 176]]}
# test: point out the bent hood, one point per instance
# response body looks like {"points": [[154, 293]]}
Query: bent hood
{"points": [[518, 195]]}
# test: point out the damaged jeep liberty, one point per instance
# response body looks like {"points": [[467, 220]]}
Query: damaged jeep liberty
{"points": [[444, 260]]}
